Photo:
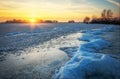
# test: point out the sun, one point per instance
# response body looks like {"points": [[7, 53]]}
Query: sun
{"points": [[33, 20]]}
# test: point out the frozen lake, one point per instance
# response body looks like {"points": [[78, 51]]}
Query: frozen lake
{"points": [[19, 36], [32, 51]]}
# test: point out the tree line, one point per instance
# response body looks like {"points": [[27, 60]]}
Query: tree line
{"points": [[106, 18], [26, 21]]}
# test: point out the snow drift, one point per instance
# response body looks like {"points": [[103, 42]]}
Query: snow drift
{"points": [[88, 63], [95, 45], [90, 66]]}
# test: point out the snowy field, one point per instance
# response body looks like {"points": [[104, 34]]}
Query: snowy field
{"points": [[59, 51]]}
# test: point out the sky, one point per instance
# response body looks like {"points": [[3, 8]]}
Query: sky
{"points": [[61, 10]]}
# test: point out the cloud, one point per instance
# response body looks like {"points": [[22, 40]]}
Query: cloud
{"points": [[10, 5], [114, 2]]}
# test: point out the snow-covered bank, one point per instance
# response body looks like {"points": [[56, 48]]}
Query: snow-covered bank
{"points": [[87, 62]]}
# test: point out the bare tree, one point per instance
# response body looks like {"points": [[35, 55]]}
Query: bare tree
{"points": [[106, 14], [109, 14], [106, 18], [103, 14]]}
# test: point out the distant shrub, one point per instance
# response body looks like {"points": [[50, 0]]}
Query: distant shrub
{"points": [[86, 20], [71, 21]]}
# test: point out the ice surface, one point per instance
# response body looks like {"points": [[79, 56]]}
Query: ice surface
{"points": [[39, 62], [14, 37], [34, 53]]}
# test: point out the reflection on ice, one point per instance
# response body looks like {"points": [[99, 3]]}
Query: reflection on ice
{"points": [[38, 62]]}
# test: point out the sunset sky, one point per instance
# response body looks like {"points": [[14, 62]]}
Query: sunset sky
{"points": [[61, 10]]}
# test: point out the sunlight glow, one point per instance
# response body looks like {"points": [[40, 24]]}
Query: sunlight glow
{"points": [[32, 20]]}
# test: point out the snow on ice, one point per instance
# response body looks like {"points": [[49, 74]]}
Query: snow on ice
{"points": [[87, 62]]}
